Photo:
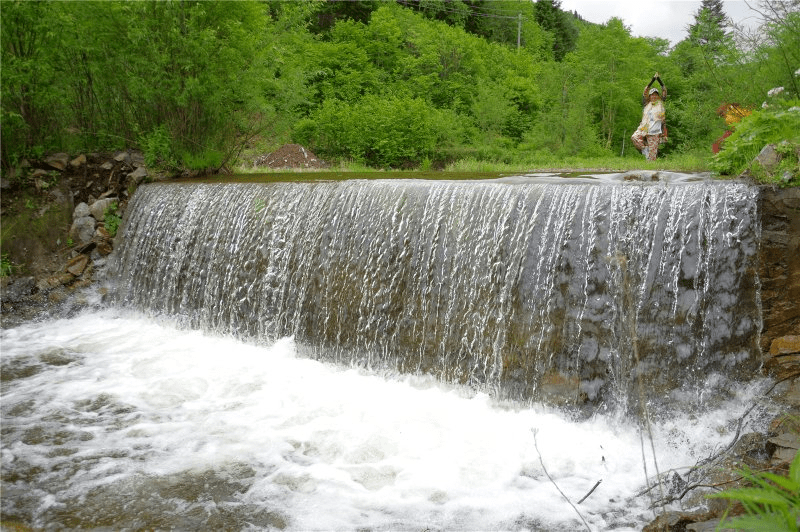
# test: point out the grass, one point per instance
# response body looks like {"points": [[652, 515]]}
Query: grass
{"points": [[352, 170]]}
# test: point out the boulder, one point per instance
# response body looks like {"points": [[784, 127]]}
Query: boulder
{"points": [[57, 161], [82, 230], [137, 159], [98, 208], [103, 248], [138, 175], [769, 157], [785, 345], [76, 265], [18, 289], [81, 211], [123, 157], [54, 281], [78, 161]]}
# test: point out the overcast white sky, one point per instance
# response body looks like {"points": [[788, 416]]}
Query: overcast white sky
{"points": [[657, 18]]}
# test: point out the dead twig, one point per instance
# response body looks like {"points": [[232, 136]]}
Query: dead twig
{"points": [[536, 445], [591, 491], [701, 466]]}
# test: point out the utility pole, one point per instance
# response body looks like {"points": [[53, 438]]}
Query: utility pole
{"points": [[519, 29]]}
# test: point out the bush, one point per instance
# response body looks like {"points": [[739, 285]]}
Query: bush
{"points": [[381, 131], [157, 148]]}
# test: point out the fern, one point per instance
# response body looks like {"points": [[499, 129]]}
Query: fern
{"points": [[773, 503]]}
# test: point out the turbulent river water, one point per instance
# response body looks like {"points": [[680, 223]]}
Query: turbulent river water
{"points": [[358, 356]]}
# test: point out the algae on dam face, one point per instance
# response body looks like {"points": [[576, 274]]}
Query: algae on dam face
{"points": [[529, 290]]}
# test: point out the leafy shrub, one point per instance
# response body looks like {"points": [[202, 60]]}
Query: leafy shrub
{"points": [[773, 503], [157, 148], [384, 131], [778, 122], [111, 219]]}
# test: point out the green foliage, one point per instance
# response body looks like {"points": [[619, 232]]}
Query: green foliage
{"points": [[157, 148], [381, 131], [6, 266], [773, 503], [207, 160], [111, 219], [559, 24], [196, 83], [777, 123]]}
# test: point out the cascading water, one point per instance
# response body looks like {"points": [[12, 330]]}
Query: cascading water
{"points": [[193, 401], [507, 287]]}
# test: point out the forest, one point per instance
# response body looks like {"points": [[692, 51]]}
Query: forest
{"points": [[386, 84]]}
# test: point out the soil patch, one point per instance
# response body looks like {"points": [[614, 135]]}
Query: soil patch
{"points": [[290, 156]]}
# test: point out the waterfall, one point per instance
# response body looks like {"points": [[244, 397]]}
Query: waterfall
{"points": [[560, 292]]}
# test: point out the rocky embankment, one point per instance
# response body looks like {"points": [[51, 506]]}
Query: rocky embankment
{"points": [[60, 216]]}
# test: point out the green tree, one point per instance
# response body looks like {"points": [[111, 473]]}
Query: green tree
{"points": [[31, 109], [550, 17]]}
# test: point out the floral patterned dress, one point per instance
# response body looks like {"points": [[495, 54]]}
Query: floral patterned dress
{"points": [[648, 135]]}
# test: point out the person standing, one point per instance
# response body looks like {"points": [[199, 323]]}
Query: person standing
{"points": [[652, 130]]}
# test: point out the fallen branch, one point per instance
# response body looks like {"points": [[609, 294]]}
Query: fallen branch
{"points": [[536, 445]]}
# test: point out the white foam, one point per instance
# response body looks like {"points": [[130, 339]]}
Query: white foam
{"points": [[324, 447]]}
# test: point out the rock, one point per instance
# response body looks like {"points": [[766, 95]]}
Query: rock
{"points": [[783, 454], [38, 173], [82, 230], [137, 159], [77, 264], [768, 158], [81, 211], [98, 208], [84, 249], [138, 175], [78, 161], [784, 447], [104, 248], [54, 281], [101, 233], [123, 157], [18, 289], [787, 440], [57, 161], [783, 359], [59, 196], [5, 183], [108, 165], [785, 345], [670, 521], [708, 526]]}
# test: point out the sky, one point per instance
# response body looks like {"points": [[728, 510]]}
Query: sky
{"points": [[667, 19]]}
